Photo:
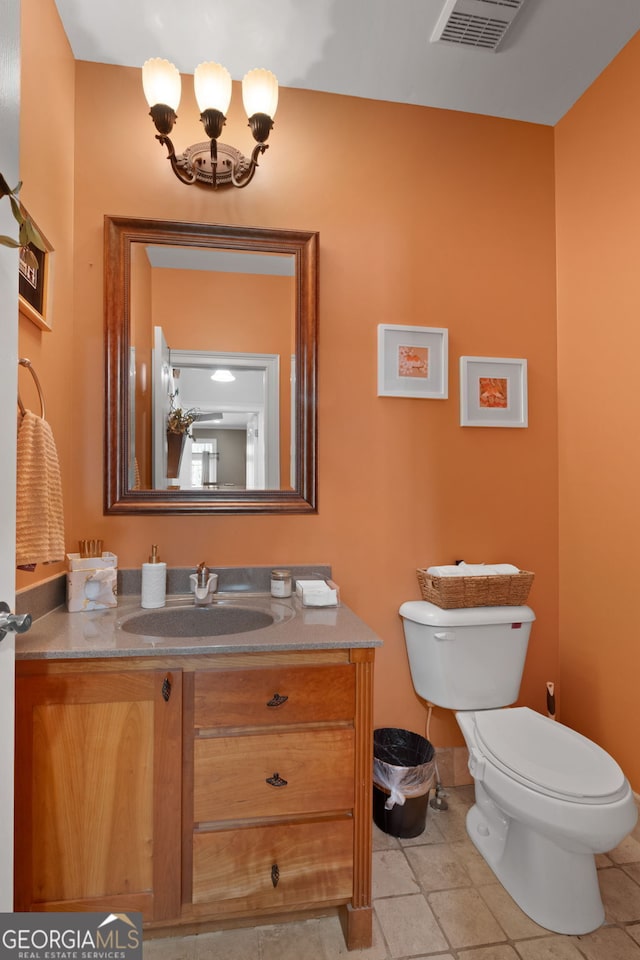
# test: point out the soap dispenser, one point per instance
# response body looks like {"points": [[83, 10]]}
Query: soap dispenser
{"points": [[154, 581]]}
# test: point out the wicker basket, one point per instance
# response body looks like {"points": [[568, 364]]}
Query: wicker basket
{"points": [[510, 590]]}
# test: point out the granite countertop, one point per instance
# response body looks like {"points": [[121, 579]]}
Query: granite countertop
{"points": [[100, 633]]}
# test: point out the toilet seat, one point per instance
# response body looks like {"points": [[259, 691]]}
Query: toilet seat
{"points": [[548, 757]]}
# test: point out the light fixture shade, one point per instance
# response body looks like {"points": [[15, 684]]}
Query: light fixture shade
{"points": [[212, 84], [260, 93], [161, 83], [223, 376]]}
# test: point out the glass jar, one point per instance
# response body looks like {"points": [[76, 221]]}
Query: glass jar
{"points": [[281, 583]]}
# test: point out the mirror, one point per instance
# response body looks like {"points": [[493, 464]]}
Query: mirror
{"points": [[187, 304]]}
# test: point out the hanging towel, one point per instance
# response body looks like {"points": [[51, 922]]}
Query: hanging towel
{"points": [[39, 514]]}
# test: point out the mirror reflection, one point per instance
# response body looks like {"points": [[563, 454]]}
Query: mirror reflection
{"points": [[211, 336]]}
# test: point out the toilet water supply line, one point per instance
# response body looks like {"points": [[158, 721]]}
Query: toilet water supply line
{"points": [[438, 802]]}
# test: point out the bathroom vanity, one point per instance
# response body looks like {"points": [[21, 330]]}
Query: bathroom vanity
{"points": [[201, 781]]}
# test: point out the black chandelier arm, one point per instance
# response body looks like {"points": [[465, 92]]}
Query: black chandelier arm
{"points": [[214, 162], [185, 176], [248, 176]]}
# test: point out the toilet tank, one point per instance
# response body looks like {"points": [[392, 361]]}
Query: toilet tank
{"points": [[466, 659]]}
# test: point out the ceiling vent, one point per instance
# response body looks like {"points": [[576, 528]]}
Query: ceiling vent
{"points": [[476, 23]]}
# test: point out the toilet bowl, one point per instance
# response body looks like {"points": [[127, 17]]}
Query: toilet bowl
{"points": [[547, 799]]}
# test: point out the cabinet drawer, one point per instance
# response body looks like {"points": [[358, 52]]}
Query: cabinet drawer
{"points": [[230, 774], [310, 862], [274, 695]]}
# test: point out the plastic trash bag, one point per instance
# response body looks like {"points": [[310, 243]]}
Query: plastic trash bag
{"points": [[403, 764]]}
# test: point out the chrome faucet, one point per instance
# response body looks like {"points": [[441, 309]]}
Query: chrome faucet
{"points": [[203, 584]]}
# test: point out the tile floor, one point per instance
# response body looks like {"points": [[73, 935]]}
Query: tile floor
{"points": [[435, 897]]}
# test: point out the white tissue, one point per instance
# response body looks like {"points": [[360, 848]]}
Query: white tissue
{"points": [[473, 570], [317, 593]]}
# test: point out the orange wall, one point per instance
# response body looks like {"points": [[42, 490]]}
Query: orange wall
{"points": [[446, 221], [598, 212], [47, 171]]}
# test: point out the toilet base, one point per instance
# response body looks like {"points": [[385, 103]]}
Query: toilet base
{"points": [[554, 887]]}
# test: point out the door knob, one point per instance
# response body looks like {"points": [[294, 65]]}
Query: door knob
{"points": [[11, 622]]}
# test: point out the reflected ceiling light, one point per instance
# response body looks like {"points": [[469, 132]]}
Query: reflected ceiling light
{"points": [[212, 84], [223, 376]]}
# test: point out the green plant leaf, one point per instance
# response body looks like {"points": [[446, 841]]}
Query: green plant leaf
{"points": [[33, 235], [17, 209]]}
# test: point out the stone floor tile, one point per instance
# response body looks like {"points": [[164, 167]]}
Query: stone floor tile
{"points": [[634, 931], [608, 943], [392, 874], [515, 923], [473, 862], [452, 822], [382, 840], [409, 926], [626, 852], [632, 870], [291, 941], [431, 833], [548, 948], [602, 860], [165, 948], [620, 895], [498, 951], [437, 867], [239, 944], [465, 918]]}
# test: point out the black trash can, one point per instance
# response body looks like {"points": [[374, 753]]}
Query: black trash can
{"points": [[403, 774]]}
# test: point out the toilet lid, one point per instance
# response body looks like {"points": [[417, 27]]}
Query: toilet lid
{"points": [[547, 756]]}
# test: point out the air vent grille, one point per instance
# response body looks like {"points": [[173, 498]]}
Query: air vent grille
{"points": [[476, 23]]}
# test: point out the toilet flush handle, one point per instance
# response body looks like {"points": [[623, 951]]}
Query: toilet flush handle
{"points": [[445, 635]]}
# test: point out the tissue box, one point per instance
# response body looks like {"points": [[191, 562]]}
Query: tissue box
{"points": [[92, 582], [318, 593]]}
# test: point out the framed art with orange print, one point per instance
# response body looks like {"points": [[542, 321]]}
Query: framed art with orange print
{"points": [[493, 392], [34, 284], [412, 361]]}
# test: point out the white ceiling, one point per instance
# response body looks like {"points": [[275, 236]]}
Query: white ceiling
{"points": [[376, 49]]}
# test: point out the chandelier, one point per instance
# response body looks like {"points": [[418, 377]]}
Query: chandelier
{"points": [[211, 162]]}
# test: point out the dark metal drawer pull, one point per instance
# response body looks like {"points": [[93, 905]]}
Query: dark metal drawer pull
{"points": [[275, 874], [166, 689], [276, 700], [276, 781]]}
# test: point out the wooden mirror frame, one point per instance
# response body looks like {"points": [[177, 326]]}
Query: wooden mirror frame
{"points": [[119, 234]]}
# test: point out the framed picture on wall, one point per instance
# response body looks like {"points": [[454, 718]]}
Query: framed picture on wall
{"points": [[412, 361], [34, 283], [493, 392]]}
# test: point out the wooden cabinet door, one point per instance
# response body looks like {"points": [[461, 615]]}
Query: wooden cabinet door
{"points": [[98, 782]]}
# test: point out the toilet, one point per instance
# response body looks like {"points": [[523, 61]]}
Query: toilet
{"points": [[547, 799]]}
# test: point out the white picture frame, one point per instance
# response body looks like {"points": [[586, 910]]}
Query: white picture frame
{"points": [[493, 392], [412, 361]]}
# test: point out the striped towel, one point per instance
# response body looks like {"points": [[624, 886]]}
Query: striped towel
{"points": [[39, 513]]}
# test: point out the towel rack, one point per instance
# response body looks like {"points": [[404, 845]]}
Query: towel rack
{"points": [[27, 363]]}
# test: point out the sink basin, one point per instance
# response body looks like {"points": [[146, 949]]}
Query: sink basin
{"points": [[192, 621]]}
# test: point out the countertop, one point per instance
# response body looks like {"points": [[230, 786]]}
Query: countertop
{"points": [[99, 633]]}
